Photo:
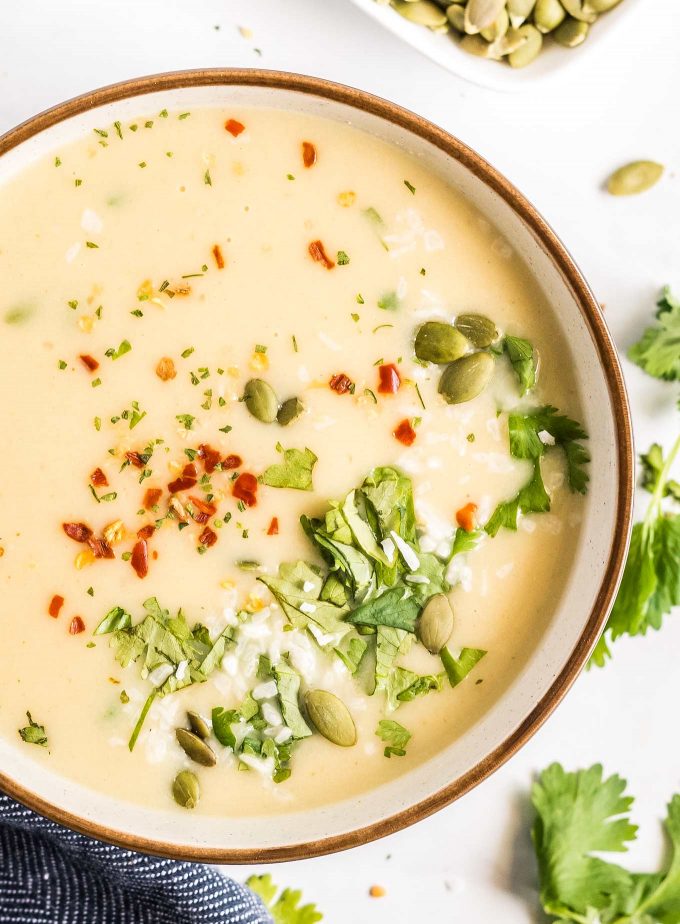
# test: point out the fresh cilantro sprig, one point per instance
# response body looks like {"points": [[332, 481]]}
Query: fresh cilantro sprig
{"points": [[33, 733], [295, 471], [658, 350], [395, 736], [286, 909], [579, 814]]}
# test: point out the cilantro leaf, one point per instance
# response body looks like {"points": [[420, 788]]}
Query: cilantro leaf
{"points": [[458, 668], [532, 498], [523, 359], [658, 350], [286, 909], [33, 733], [294, 472], [526, 443], [652, 463], [288, 686], [396, 736], [390, 644], [396, 607], [222, 720], [351, 651], [297, 590]]}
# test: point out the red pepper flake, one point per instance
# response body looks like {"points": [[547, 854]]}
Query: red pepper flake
{"points": [[405, 433], [77, 626], [134, 458], [273, 527], [208, 537], [186, 481], [341, 383], [146, 532], [217, 254], [79, 532], [55, 606], [89, 362], [209, 456], [189, 470], [140, 558], [201, 510], [317, 253], [390, 380], [465, 517], [100, 547], [232, 461], [234, 128], [245, 489], [99, 479], [151, 497], [308, 154]]}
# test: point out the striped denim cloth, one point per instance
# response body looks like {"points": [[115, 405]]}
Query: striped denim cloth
{"points": [[50, 875]]}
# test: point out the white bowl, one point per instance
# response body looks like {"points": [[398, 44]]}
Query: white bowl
{"points": [[553, 60], [579, 614]]}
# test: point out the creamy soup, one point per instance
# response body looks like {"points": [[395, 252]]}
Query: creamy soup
{"points": [[286, 498]]}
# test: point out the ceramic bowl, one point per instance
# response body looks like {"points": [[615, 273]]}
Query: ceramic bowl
{"points": [[579, 614]]}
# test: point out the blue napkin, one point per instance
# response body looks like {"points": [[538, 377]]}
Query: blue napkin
{"points": [[51, 875]]}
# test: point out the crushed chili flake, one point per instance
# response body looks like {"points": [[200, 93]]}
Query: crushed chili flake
{"points": [[234, 127], [465, 517], [181, 484], [273, 527], [77, 626], [308, 154], [341, 383], [165, 370], [99, 479], [389, 379], [79, 532], [201, 510], [217, 254], [89, 362], [151, 497], [100, 547], [209, 456], [140, 558], [55, 606], [405, 433], [232, 461], [245, 489], [317, 253], [146, 532], [208, 537], [189, 470], [134, 458]]}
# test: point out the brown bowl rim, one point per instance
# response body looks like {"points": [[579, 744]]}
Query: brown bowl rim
{"points": [[609, 361]]}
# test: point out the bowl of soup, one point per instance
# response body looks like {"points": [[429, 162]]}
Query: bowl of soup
{"points": [[317, 466]]}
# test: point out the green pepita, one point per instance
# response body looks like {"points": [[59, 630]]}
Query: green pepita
{"points": [[497, 28], [476, 45], [199, 726], [435, 624], [422, 12], [634, 178], [466, 378], [527, 52], [519, 11], [478, 329], [548, 14], [571, 32], [185, 789], [331, 717], [481, 14], [260, 399], [511, 41], [289, 411], [439, 342], [579, 9], [601, 6], [456, 16], [195, 748]]}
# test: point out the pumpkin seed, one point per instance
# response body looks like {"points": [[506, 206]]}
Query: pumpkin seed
{"points": [[185, 789], [260, 399], [331, 718], [634, 178], [511, 41], [579, 9], [456, 16], [527, 52], [480, 14], [438, 342], [519, 11], [601, 6], [548, 14], [436, 623], [497, 28], [195, 748], [199, 726], [571, 32], [466, 378], [421, 12], [478, 329], [289, 411], [475, 45]]}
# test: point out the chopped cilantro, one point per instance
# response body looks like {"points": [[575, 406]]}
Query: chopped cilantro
{"points": [[396, 736], [33, 733]]}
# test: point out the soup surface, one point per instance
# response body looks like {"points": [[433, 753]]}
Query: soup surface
{"points": [[251, 484]]}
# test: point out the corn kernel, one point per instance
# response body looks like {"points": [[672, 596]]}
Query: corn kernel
{"points": [[259, 362], [346, 199], [85, 323], [227, 584], [84, 558], [114, 532], [377, 891]]}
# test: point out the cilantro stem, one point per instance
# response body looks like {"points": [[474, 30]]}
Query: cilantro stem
{"points": [[661, 483], [140, 721]]}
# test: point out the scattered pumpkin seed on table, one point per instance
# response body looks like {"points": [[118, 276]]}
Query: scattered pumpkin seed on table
{"points": [[506, 30], [634, 178]]}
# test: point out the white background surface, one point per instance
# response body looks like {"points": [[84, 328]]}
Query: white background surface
{"points": [[558, 141]]}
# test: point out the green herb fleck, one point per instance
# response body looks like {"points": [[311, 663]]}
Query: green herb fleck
{"points": [[411, 188], [396, 736], [33, 733]]}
